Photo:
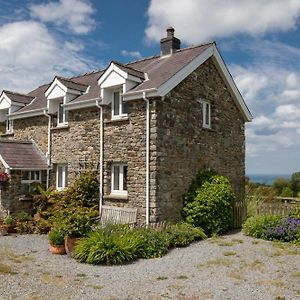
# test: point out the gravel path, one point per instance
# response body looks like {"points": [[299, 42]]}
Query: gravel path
{"points": [[230, 267]]}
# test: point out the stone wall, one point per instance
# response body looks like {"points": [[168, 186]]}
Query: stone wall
{"points": [[184, 147], [35, 128], [125, 142], [76, 144]]}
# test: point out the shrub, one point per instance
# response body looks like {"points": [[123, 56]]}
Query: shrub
{"points": [[109, 246], [155, 243], [256, 226], [75, 221], [295, 213], [288, 230], [209, 204], [55, 237], [9, 220], [23, 216], [183, 234]]}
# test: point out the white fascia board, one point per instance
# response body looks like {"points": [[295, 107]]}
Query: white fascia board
{"points": [[73, 92], [81, 104], [6, 99], [30, 169], [111, 68], [55, 83], [166, 87], [139, 94], [133, 78], [233, 88], [18, 104], [6, 166], [27, 114]]}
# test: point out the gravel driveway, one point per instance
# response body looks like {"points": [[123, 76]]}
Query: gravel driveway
{"points": [[229, 267]]}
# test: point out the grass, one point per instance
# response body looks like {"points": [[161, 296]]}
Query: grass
{"points": [[296, 274], [52, 279], [161, 278], [274, 282], [96, 287], [236, 275], [216, 262], [229, 253], [4, 269], [81, 275], [183, 277], [225, 244], [256, 265]]}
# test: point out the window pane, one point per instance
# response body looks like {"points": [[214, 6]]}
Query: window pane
{"points": [[60, 114], [66, 176], [124, 107], [60, 176], [37, 175], [116, 103], [116, 171], [25, 175], [125, 178], [207, 114]]}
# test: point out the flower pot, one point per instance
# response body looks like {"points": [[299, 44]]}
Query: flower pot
{"points": [[70, 243], [57, 249], [3, 230]]}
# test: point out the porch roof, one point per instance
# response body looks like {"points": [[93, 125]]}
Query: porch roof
{"points": [[21, 155]]}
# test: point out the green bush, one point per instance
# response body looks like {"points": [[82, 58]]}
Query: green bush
{"points": [[75, 221], [109, 246], [256, 226], [9, 220], [23, 216], [209, 204], [295, 213], [55, 237], [181, 235], [155, 243]]}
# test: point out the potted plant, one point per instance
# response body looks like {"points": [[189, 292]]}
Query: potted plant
{"points": [[4, 177], [10, 222], [56, 241]]}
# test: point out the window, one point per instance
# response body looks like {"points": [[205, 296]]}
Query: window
{"points": [[31, 176], [61, 177], [206, 114], [119, 179], [62, 115], [9, 126], [119, 107]]}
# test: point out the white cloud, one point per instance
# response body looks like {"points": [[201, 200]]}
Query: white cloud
{"points": [[196, 21], [289, 111], [30, 55], [134, 54], [76, 14]]}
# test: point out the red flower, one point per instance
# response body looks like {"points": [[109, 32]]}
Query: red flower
{"points": [[4, 177]]}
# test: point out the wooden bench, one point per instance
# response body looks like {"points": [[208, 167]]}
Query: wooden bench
{"points": [[118, 215]]}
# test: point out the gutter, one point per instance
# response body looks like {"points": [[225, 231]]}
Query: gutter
{"points": [[101, 156], [147, 159], [48, 154]]}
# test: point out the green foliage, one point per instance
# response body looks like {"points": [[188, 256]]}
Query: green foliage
{"points": [[280, 184], [287, 192], [75, 221], [295, 183], [84, 191], [155, 243], [23, 216], [256, 226], [9, 220], [181, 235], [109, 246], [55, 237], [295, 213], [117, 244], [209, 203]]}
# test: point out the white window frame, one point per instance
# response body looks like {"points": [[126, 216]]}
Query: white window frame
{"points": [[206, 104], [35, 177], [121, 113], [64, 120], [9, 126], [64, 176], [121, 190]]}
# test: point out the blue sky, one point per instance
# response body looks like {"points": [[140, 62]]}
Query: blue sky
{"points": [[259, 40]]}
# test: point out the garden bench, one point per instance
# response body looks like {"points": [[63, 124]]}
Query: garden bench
{"points": [[118, 215]]}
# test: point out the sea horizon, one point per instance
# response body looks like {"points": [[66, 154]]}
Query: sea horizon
{"points": [[266, 178]]}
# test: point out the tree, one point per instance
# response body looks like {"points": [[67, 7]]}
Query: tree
{"points": [[295, 183], [279, 184], [286, 192]]}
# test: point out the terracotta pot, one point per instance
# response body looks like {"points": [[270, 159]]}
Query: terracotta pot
{"points": [[59, 249], [70, 243], [3, 230]]}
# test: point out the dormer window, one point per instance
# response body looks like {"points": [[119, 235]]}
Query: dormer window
{"points": [[9, 126], [62, 115], [119, 107]]}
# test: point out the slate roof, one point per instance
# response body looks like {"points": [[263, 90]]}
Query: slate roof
{"points": [[159, 70], [20, 155], [17, 97]]}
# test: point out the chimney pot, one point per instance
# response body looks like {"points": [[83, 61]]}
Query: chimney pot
{"points": [[169, 44]]}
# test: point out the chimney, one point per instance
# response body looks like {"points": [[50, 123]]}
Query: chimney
{"points": [[169, 44]]}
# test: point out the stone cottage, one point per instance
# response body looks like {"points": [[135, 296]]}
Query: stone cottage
{"points": [[147, 128]]}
